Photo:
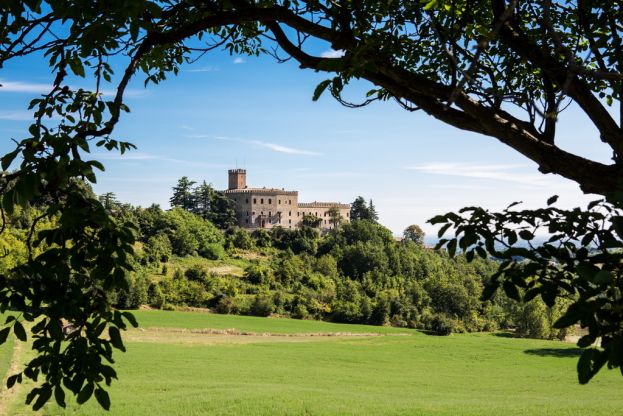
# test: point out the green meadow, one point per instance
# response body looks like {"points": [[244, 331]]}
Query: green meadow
{"points": [[175, 366]]}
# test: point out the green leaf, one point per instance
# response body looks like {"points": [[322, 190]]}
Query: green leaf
{"points": [[443, 230], [320, 89], [617, 222], [589, 364], [511, 290], [10, 382], [587, 271], [45, 392], [438, 219], [59, 396], [566, 320], [19, 331], [115, 338], [452, 247], [4, 333], [102, 398], [85, 393], [8, 159], [526, 235], [603, 277], [130, 318], [586, 341], [552, 200], [431, 4]]}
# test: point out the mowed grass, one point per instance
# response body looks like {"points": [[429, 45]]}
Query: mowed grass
{"points": [[6, 353], [198, 320], [394, 374]]}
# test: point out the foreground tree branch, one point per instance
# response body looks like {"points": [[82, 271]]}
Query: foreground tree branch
{"points": [[498, 68]]}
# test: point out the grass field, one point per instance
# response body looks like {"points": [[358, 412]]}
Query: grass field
{"points": [[167, 371]]}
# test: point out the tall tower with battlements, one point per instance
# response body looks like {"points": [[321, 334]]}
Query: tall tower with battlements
{"points": [[237, 178]]}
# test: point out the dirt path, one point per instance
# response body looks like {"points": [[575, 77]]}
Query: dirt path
{"points": [[7, 397], [229, 336]]}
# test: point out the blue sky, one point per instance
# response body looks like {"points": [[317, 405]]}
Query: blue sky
{"points": [[224, 112]]}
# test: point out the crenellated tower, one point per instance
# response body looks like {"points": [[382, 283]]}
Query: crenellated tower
{"points": [[237, 178]]}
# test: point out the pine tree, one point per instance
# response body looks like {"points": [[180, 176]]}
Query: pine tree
{"points": [[183, 195], [359, 209], [372, 214]]}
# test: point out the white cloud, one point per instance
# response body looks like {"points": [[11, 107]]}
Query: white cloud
{"points": [[18, 86], [271, 146], [239, 60], [16, 115], [137, 156], [331, 53], [284, 149], [208, 68], [42, 88], [501, 172]]}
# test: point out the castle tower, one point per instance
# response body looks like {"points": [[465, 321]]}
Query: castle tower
{"points": [[237, 178]]}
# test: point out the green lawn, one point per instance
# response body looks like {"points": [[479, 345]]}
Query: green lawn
{"points": [[411, 374], [196, 320], [6, 352]]}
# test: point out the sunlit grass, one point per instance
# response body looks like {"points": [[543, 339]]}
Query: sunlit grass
{"points": [[395, 374]]}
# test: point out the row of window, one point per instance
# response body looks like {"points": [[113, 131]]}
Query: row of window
{"points": [[270, 201]]}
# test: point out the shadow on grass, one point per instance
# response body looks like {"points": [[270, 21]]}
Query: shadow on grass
{"points": [[504, 334], [555, 352]]}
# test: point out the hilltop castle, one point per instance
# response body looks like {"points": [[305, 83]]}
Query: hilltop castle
{"points": [[271, 207]]}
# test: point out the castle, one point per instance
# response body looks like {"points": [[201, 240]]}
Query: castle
{"points": [[271, 207]]}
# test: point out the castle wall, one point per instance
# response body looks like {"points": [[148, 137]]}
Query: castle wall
{"points": [[264, 208], [321, 210], [271, 207]]}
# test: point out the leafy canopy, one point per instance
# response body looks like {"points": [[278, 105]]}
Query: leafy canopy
{"points": [[504, 69]]}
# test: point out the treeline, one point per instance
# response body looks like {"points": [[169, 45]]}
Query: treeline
{"points": [[357, 273]]}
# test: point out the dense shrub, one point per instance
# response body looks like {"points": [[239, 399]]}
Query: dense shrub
{"points": [[262, 305], [442, 325]]}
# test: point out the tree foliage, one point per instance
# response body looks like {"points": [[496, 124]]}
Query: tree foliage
{"points": [[504, 69], [414, 233], [580, 261]]}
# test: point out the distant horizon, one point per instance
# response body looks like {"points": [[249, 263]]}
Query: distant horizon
{"points": [[229, 111]]}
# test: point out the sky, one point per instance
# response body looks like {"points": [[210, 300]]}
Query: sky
{"points": [[225, 111]]}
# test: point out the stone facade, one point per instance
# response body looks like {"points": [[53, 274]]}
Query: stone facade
{"points": [[272, 207]]}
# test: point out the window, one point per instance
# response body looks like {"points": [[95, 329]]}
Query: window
{"points": [[280, 202], [289, 202], [254, 201], [270, 201], [325, 214], [270, 214], [247, 213], [289, 213], [289, 221], [262, 201], [253, 213], [247, 221], [246, 200]]}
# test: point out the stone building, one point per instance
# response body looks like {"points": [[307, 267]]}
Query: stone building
{"points": [[272, 207]]}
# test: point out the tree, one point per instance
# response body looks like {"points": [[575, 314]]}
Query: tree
{"points": [[335, 218], [183, 195], [504, 69], [414, 233], [372, 214], [359, 209], [203, 197], [311, 220], [109, 201]]}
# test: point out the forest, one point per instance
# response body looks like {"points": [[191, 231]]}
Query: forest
{"points": [[192, 256]]}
